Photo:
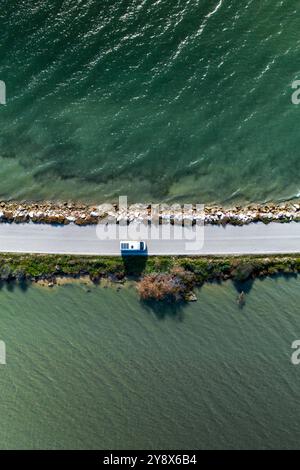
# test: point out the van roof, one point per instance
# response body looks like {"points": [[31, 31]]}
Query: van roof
{"points": [[130, 244]]}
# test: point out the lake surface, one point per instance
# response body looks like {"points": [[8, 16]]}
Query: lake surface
{"points": [[156, 99], [100, 370]]}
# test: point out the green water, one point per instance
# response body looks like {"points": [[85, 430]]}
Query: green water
{"points": [[156, 99], [98, 370]]}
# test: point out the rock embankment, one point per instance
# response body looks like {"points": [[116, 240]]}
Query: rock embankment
{"points": [[84, 214]]}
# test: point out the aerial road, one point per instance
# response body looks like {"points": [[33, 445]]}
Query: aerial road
{"points": [[274, 238]]}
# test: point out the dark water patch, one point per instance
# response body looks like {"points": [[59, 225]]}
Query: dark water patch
{"points": [[165, 309]]}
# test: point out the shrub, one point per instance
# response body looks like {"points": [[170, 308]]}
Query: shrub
{"points": [[161, 287]]}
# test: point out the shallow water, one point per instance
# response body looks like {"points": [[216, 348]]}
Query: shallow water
{"points": [[99, 370]]}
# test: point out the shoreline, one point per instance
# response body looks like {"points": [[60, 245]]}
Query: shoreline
{"points": [[64, 213], [168, 278]]}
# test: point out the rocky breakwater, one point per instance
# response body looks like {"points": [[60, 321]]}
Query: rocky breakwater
{"points": [[83, 214], [243, 215]]}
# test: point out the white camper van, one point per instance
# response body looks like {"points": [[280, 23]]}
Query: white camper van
{"points": [[129, 247]]}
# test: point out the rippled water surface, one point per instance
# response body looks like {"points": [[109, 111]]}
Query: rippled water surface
{"points": [[157, 99], [99, 370]]}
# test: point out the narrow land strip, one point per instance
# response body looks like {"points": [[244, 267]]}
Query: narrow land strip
{"points": [[250, 239]]}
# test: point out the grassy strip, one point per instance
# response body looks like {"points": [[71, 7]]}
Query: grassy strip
{"points": [[35, 267]]}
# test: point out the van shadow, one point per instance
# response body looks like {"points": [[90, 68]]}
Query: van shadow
{"points": [[134, 265]]}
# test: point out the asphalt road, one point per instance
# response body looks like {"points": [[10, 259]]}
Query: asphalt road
{"points": [[258, 238]]}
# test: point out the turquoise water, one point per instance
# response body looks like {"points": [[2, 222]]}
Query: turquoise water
{"points": [[98, 370], [156, 99]]}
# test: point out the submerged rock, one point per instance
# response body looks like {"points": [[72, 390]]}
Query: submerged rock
{"points": [[190, 297], [241, 300]]}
